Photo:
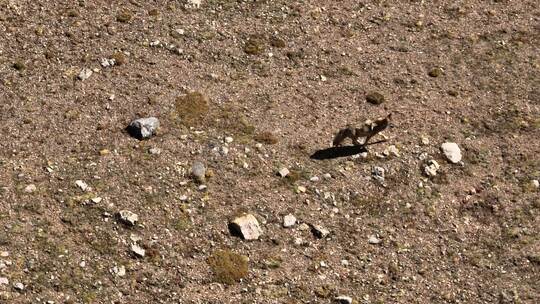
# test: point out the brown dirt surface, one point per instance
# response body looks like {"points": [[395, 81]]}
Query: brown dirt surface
{"points": [[280, 78]]}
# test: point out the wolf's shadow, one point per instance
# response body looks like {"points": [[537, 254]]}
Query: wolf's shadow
{"points": [[335, 152]]}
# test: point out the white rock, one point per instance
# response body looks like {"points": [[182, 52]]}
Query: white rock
{"points": [[424, 140], [119, 271], [289, 220], [535, 183], [18, 286], [327, 176], [283, 172], [81, 185], [96, 200], [301, 189], [373, 239], [128, 217], [247, 227], [451, 151], [229, 139], [343, 300], [30, 188], [138, 250], [4, 254], [195, 3], [432, 168], [224, 151], [314, 179], [85, 74], [4, 281]]}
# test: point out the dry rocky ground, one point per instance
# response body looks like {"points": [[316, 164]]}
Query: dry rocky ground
{"points": [[244, 90]]}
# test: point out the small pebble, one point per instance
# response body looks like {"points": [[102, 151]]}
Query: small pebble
{"points": [[314, 179], [289, 220], [432, 168], [246, 226], [373, 239], [81, 185], [128, 217], [319, 231], [143, 128], [138, 250], [198, 171], [154, 151], [283, 172], [535, 183], [4, 281], [30, 188], [85, 74], [18, 286], [229, 139], [301, 189], [343, 299]]}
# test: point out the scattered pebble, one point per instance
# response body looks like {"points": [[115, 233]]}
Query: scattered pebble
{"points": [[138, 250], [373, 239], [30, 188], [432, 168], [283, 172], [198, 171], [391, 150], [96, 200], [327, 176], [301, 189], [435, 72], [202, 187], [82, 185], [18, 286], [4, 254], [128, 217], [314, 179], [224, 151], [229, 139], [4, 281], [246, 227], [378, 173], [319, 231], [289, 220], [85, 74], [343, 300], [143, 128], [107, 62], [154, 151], [535, 183], [452, 152], [424, 140], [119, 271], [303, 227]]}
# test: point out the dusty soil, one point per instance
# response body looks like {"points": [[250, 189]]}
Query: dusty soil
{"points": [[288, 74]]}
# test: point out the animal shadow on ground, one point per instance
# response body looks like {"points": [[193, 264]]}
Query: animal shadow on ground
{"points": [[335, 152]]}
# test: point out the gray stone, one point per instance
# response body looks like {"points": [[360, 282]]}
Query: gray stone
{"points": [[451, 151], [246, 227], [198, 171], [319, 231], [343, 300], [143, 128], [128, 217], [289, 220]]}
